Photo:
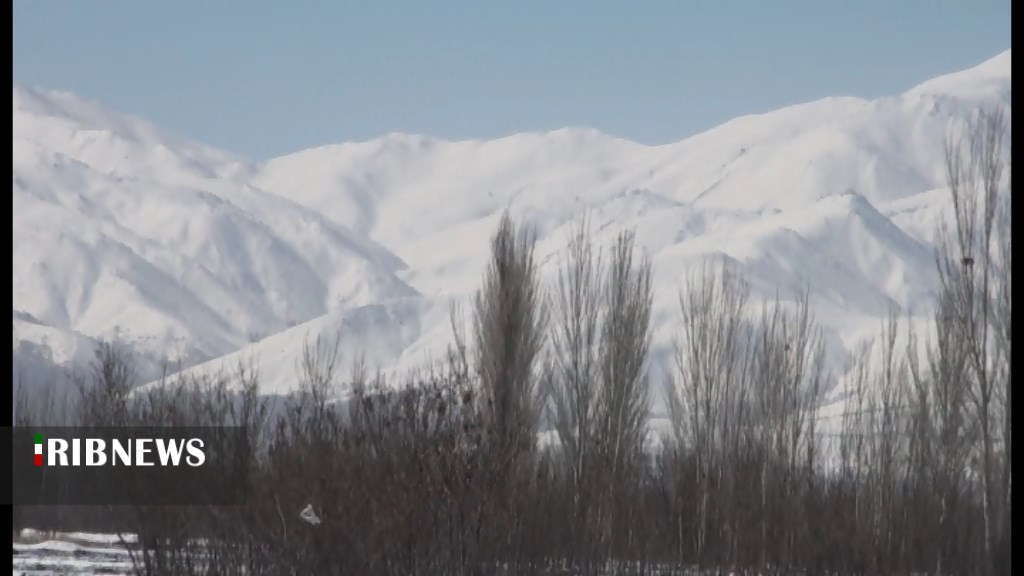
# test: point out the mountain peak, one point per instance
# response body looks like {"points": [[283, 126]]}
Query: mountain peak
{"points": [[109, 141], [986, 80]]}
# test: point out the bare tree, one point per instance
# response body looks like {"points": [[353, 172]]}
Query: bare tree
{"points": [[575, 377], [1001, 324], [976, 281], [849, 495], [509, 327], [104, 393], [625, 340], [317, 378], [874, 454], [788, 363], [944, 428], [705, 397]]}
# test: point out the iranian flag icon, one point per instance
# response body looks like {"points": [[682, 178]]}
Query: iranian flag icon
{"points": [[39, 449]]}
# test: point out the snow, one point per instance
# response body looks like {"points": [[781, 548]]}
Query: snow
{"points": [[124, 231], [43, 553]]}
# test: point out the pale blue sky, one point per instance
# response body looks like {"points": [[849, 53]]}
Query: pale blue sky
{"points": [[262, 78]]}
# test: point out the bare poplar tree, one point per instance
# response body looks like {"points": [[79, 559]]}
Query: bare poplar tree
{"points": [[875, 426], [788, 365], [625, 339], [508, 325], [1001, 325], [574, 339], [574, 384], [887, 444], [705, 397], [942, 404], [849, 493], [973, 277]]}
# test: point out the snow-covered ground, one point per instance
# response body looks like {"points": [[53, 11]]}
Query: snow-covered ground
{"points": [[45, 554], [124, 231]]}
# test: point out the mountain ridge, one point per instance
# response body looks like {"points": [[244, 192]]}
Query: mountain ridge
{"points": [[228, 258]]}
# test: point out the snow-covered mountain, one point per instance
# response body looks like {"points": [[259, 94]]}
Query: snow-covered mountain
{"points": [[123, 231]]}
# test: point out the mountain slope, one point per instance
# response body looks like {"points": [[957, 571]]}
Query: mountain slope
{"points": [[125, 232], [375, 240]]}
